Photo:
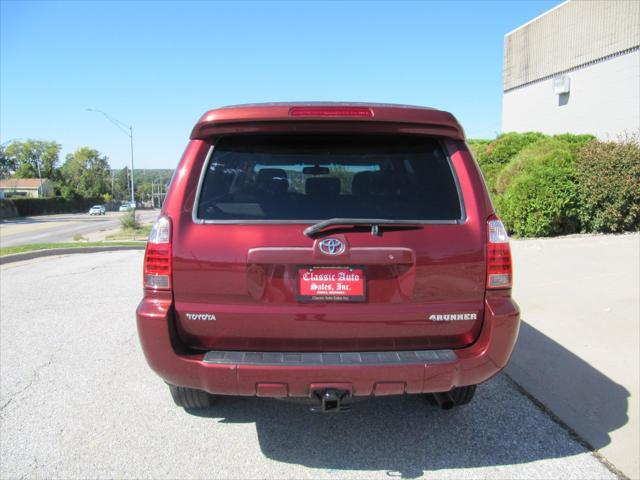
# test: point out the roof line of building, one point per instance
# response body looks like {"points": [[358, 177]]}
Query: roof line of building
{"points": [[577, 67], [538, 17]]}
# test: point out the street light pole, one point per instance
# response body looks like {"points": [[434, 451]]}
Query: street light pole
{"points": [[40, 177], [133, 198], [128, 131]]}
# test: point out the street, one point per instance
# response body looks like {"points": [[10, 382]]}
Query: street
{"points": [[78, 400], [61, 227]]}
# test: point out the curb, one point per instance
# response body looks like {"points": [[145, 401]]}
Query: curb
{"points": [[19, 257]]}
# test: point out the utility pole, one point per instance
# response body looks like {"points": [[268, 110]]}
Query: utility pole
{"points": [[39, 176], [128, 131], [133, 198], [128, 175]]}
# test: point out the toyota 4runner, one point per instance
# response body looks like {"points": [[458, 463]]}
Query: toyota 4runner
{"points": [[327, 251]]}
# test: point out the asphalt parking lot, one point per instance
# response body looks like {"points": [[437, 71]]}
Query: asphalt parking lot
{"points": [[77, 400]]}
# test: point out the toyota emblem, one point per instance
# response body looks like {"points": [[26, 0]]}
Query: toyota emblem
{"points": [[331, 246]]}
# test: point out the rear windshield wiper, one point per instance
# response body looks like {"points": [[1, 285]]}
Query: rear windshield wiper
{"points": [[374, 222]]}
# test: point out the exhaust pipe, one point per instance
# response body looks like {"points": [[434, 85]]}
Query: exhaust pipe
{"points": [[444, 400]]}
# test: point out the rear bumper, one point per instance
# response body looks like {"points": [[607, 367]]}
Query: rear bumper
{"points": [[276, 374]]}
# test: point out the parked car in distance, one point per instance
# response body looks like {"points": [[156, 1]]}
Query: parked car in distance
{"points": [[327, 251], [125, 207], [97, 210]]}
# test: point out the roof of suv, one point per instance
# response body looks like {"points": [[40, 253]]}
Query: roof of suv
{"points": [[327, 111]]}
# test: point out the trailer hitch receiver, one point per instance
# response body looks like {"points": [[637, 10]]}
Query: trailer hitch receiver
{"points": [[331, 400]]}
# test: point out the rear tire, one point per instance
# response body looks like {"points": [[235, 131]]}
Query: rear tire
{"points": [[190, 398], [459, 395]]}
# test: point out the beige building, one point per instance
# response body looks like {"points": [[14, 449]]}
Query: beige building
{"points": [[25, 187], [575, 69]]}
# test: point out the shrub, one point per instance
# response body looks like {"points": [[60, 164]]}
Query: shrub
{"points": [[129, 221], [7, 208], [508, 145], [493, 155], [478, 147], [608, 175], [537, 191], [490, 172], [577, 141], [546, 147]]}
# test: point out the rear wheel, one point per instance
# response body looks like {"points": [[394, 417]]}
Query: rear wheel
{"points": [[190, 398], [453, 398]]}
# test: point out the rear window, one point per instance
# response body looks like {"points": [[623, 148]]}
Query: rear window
{"points": [[292, 177]]}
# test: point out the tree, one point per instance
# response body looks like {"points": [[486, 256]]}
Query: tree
{"points": [[86, 173], [25, 158], [107, 198], [143, 191], [122, 185], [7, 164]]}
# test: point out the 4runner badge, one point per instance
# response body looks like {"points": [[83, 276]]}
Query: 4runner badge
{"points": [[201, 316], [453, 317]]}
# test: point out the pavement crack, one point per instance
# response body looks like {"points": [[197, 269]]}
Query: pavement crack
{"points": [[19, 392], [83, 271], [32, 380]]}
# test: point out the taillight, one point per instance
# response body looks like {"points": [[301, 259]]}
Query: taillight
{"points": [[499, 267], [330, 112], [157, 257]]}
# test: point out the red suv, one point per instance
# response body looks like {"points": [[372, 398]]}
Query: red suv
{"points": [[327, 251]]}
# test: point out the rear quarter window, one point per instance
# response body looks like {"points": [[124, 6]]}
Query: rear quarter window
{"points": [[313, 178]]}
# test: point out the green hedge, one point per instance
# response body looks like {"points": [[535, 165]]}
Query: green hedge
{"points": [[552, 185], [41, 206], [608, 177], [493, 155], [7, 208], [537, 191]]}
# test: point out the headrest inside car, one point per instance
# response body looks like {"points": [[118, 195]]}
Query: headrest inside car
{"points": [[272, 180], [322, 186], [361, 183]]}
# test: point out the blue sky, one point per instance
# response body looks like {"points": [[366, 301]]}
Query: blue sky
{"points": [[160, 65]]}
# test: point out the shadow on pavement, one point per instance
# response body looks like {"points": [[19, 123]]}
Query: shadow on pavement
{"points": [[403, 435], [581, 396]]}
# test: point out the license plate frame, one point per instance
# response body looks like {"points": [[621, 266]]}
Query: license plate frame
{"points": [[335, 295]]}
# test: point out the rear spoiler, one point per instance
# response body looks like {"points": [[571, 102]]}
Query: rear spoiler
{"points": [[327, 117]]}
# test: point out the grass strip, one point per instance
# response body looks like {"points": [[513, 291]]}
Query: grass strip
{"points": [[47, 246], [141, 233]]}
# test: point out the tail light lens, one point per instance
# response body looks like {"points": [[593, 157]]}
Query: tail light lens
{"points": [[499, 266], [157, 257]]}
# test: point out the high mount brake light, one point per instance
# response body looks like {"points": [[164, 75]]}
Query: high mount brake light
{"points": [[331, 112], [157, 257], [499, 265]]}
